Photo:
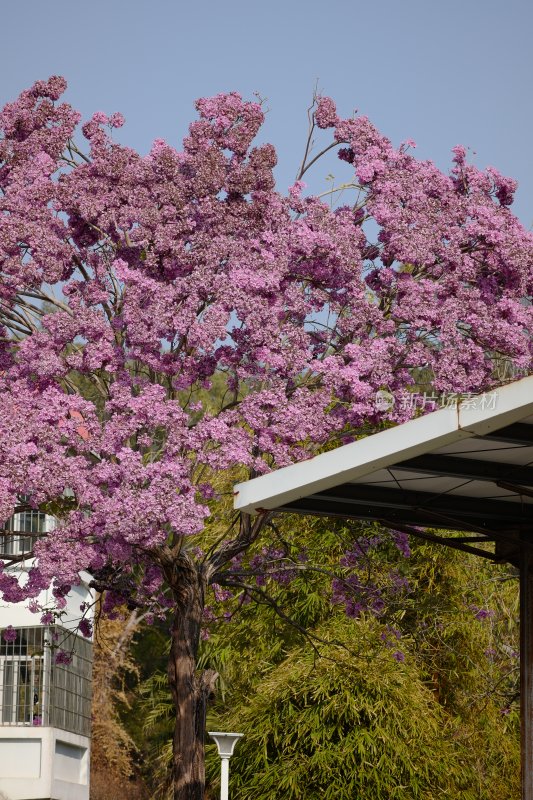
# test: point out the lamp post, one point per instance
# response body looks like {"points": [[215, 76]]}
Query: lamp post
{"points": [[225, 744]]}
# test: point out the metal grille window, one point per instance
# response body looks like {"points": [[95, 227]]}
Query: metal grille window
{"points": [[22, 529], [36, 691], [23, 687]]}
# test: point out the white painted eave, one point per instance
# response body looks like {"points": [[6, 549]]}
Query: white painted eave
{"points": [[417, 437]]}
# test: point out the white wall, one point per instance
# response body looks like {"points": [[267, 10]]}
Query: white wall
{"points": [[19, 616], [43, 762]]}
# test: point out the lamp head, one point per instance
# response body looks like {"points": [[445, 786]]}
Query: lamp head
{"points": [[225, 742]]}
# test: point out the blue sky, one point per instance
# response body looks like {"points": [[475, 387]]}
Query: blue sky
{"points": [[441, 72]]}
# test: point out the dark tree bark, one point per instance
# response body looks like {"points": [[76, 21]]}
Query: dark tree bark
{"points": [[190, 689]]}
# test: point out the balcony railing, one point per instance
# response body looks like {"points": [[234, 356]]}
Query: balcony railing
{"points": [[34, 690]]}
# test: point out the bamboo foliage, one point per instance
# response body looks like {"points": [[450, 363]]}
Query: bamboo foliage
{"points": [[418, 703], [344, 728]]}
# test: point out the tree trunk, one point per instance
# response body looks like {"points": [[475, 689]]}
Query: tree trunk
{"points": [[190, 690]]}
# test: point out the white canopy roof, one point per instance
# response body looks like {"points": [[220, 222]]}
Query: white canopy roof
{"points": [[468, 467]]}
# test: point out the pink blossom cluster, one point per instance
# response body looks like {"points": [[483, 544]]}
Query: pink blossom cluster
{"points": [[196, 321]]}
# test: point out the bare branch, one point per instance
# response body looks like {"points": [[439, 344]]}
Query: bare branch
{"points": [[315, 159], [264, 598], [72, 148], [248, 533], [309, 143], [46, 298]]}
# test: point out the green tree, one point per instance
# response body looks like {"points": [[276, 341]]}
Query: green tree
{"points": [[416, 703]]}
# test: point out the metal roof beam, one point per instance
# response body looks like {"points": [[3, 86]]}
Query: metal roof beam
{"points": [[446, 503], [406, 516], [457, 543], [518, 433], [468, 468]]}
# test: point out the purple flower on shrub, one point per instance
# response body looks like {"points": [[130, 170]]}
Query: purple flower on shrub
{"points": [[62, 657], [482, 613], [85, 627], [398, 656], [9, 634]]}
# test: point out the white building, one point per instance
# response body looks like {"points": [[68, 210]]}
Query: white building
{"points": [[45, 707]]}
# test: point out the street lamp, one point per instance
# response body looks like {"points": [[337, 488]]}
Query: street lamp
{"points": [[225, 744]]}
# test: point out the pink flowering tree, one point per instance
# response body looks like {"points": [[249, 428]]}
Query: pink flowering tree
{"points": [[171, 321]]}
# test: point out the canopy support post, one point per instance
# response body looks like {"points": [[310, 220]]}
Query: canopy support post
{"points": [[526, 669]]}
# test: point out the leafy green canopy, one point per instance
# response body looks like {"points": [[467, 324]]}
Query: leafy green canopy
{"points": [[419, 702]]}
